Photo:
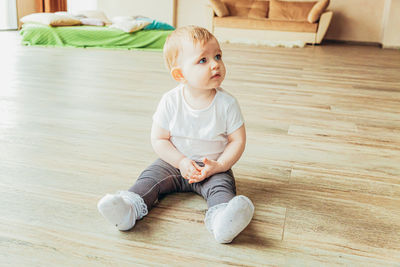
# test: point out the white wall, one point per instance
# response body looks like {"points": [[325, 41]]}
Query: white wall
{"points": [[356, 20], [79, 5], [162, 10], [190, 12]]}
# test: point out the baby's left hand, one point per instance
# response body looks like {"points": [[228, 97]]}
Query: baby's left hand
{"points": [[210, 167]]}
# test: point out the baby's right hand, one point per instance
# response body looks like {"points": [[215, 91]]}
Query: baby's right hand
{"points": [[189, 168]]}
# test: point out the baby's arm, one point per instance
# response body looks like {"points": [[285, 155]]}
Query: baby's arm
{"points": [[234, 150], [232, 153], [160, 140]]}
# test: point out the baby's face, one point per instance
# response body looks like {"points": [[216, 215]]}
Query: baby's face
{"points": [[202, 65]]}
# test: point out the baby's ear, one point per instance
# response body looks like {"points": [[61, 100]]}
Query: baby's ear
{"points": [[177, 74]]}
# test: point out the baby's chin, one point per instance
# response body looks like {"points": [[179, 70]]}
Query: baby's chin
{"points": [[219, 84], [212, 84], [216, 82]]}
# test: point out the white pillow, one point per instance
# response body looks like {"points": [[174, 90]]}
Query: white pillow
{"points": [[93, 14], [70, 15], [119, 19], [50, 19], [92, 22], [130, 26]]}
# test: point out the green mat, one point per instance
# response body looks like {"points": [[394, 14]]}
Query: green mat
{"points": [[92, 36]]}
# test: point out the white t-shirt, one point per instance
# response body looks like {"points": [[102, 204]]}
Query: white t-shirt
{"points": [[199, 133]]}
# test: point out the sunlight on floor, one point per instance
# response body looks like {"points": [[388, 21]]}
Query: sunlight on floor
{"points": [[9, 90]]}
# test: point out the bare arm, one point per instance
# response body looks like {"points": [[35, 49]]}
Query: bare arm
{"points": [[163, 146], [234, 150]]}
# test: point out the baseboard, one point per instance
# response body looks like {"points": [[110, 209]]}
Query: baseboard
{"points": [[352, 42], [391, 46]]}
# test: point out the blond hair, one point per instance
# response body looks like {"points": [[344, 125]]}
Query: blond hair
{"points": [[173, 44]]}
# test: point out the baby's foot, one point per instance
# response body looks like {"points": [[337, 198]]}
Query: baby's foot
{"points": [[232, 219], [117, 211]]}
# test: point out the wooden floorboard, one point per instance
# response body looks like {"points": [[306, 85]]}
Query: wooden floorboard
{"points": [[322, 162]]}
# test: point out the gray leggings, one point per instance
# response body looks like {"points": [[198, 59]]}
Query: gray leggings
{"points": [[162, 178]]}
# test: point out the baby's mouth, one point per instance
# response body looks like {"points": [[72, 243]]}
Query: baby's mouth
{"points": [[215, 76]]}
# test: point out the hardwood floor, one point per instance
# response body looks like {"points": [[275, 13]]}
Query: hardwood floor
{"points": [[322, 163]]}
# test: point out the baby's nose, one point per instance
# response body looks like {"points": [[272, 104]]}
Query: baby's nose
{"points": [[215, 64]]}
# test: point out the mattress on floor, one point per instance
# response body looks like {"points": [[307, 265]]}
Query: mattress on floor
{"points": [[92, 36]]}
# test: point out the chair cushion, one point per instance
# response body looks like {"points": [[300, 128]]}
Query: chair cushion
{"points": [[239, 8], [290, 10], [219, 8], [317, 10], [259, 9]]}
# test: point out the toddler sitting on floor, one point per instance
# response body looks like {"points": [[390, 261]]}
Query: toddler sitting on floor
{"points": [[199, 134]]}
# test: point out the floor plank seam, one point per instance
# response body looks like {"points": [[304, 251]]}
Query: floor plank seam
{"points": [[284, 224]]}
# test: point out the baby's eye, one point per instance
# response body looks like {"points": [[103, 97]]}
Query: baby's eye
{"points": [[218, 57], [203, 60]]}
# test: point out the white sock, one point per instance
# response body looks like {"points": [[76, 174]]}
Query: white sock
{"points": [[122, 209], [227, 220]]}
